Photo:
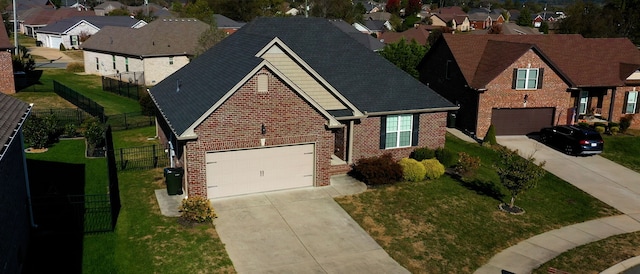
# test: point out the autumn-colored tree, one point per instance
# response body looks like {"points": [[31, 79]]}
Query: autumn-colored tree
{"points": [[393, 6], [413, 7]]}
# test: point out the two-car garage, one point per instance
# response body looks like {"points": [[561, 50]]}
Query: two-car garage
{"points": [[238, 172], [521, 121]]}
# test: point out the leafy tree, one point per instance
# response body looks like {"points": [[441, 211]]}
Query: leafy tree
{"points": [[393, 6], [413, 7], [23, 61], [624, 18], [518, 174], [209, 38], [35, 132], [200, 10], [405, 55], [586, 19], [122, 11], [544, 27], [525, 19], [336, 9]]}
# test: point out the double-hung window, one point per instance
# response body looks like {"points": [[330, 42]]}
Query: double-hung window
{"points": [[631, 105], [398, 131], [527, 78]]}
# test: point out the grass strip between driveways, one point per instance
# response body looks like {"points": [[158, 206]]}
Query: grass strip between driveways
{"points": [[445, 226]]}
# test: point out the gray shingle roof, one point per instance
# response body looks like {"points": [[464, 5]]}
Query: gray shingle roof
{"points": [[100, 22], [226, 22], [178, 37], [339, 59], [12, 114]]}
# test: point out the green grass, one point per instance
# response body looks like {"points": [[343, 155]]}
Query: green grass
{"points": [[72, 151], [134, 137], [87, 85], [444, 226], [623, 149]]}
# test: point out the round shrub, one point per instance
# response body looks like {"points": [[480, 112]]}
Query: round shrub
{"points": [[600, 129], [422, 153], [614, 130], [197, 209], [377, 170], [412, 170], [433, 168], [446, 157]]}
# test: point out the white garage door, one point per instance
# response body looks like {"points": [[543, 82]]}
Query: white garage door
{"points": [[240, 172], [55, 42]]}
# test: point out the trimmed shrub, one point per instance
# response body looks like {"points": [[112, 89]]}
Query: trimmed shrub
{"points": [[599, 124], [75, 67], [491, 136], [600, 129], [613, 124], [377, 170], [35, 133], [62, 48], [467, 165], [447, 157], [433, 168], [422, 153], [614, 130], [197, 209], [583, 124], [412, 170], [625, 122], [70, 130]]}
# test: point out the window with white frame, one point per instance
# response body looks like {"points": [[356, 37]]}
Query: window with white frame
{"points": [[126, 64], [113, 60], [632, 102], [398, 131], [171, 60], [527, 78]]}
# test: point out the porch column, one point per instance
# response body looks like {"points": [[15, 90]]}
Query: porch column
{"points": [[350, 143], [612, 104]]}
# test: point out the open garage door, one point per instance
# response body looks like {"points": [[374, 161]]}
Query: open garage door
{"points": [[521, 121], [231, 173]]}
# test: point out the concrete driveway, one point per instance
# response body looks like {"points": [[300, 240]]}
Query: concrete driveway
{"points": [[605, 180], [298, 231]]}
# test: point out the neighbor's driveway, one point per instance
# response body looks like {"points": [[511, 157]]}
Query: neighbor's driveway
{"points": [[297, 231], [607, 181]]}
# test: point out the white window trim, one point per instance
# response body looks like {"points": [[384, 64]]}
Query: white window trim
{"points": [[632, 98], [527, 78], [398, 131]]}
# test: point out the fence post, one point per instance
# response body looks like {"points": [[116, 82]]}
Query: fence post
{"points": [[122, 159], [155, 157]]}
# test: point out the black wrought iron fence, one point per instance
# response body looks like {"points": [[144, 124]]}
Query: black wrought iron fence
{"points": [[64, 115], [144, 157], [130, 120], [79, 100], [122, 88]]}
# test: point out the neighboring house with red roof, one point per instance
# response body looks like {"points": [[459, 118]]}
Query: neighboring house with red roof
{"points": [[43, 17], [142, 55], [7, 84], [71, 32], [419, 33], [285, 103], [521, 83], [15, 215]]}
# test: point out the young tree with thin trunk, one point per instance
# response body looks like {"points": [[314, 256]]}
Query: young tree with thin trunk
{"points": [[518, 174]]}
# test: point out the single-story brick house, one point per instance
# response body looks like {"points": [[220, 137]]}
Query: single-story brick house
{"points": [[287, 102], [521, 83], [15, 214], [7, 84]]}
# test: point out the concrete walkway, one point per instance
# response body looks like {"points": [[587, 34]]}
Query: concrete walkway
{"points": [[605, 180]]}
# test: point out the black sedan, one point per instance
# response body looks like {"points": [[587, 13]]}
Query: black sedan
{"points": [[573, 140]]}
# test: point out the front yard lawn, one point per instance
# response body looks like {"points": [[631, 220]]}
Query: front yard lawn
{"points": [[443, 225], [623, 149]]}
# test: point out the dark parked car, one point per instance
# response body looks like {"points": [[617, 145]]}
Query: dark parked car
{"points": [[573, 140]]}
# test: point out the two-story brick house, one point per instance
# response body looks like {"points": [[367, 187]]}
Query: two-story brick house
{"points": [[521, 83], [277, 106]]}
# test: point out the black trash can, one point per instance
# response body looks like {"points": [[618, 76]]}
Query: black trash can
{"points": [[451, 119], [173, 180]]}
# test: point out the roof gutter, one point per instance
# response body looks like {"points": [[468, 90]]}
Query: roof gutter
{"points": [[425, 110]]}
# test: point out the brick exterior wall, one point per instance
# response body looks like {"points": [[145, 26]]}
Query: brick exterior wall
{"points": [[366, 136], [7, 84], [620, 105], [288, 119], [499, 93], [14, 216]]}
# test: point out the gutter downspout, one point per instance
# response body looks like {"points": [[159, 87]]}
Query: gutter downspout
{"points": [[185, 175]]}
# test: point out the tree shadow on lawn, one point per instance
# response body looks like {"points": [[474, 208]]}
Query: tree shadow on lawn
{"points": [[487, 188], [56, 243]]}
